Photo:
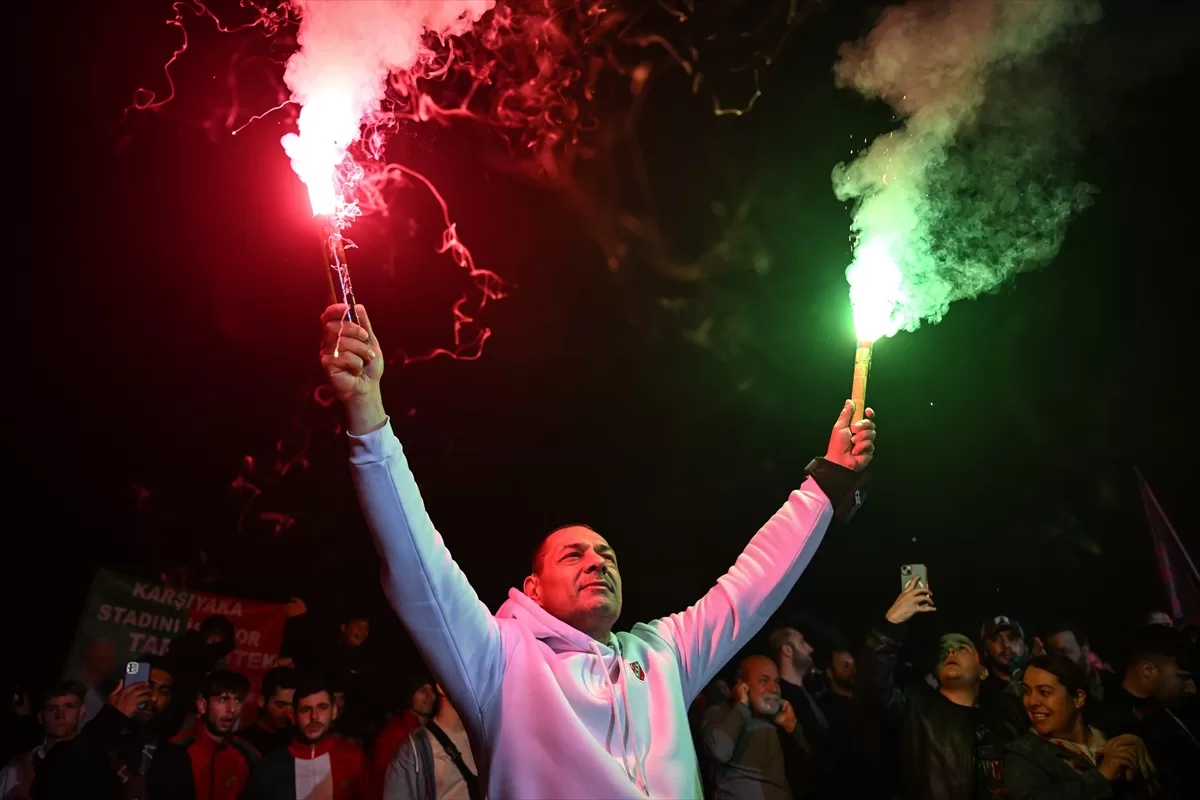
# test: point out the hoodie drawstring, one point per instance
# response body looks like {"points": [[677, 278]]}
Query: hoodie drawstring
{"points": [[639, 773]]}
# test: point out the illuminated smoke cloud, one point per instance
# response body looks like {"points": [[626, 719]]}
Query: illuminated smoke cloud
{"points": [[338, 76], [973, 187]]}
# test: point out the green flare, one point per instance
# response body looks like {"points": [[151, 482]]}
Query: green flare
{"points": [[974, 186]]}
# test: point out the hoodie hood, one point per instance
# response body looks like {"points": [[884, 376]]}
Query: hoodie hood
{"points": [[563, 638], [558, 635]]}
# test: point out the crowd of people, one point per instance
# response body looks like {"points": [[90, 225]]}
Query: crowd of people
{"points": [[1006, 714], [546, 699]]}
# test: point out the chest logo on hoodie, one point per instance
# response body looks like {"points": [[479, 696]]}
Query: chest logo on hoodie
{"points": [[637, 671]]}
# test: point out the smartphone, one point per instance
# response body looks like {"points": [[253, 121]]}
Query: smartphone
{"points": [[910, 571], [136, 672]]}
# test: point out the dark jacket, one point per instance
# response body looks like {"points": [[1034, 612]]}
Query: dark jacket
{"points": [[220, 767], [267, 742], [1035, 769], [1171, 738], [106, 756], [748, 754], [862, 762], [946, 750]]}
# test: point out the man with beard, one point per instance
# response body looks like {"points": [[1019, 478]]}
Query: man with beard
{"points": [[860, 757], [952, 739], [315, 764], [221, 761], [799, 683], [273, 730], [751, 739], [1152, 702], [121, 754]]}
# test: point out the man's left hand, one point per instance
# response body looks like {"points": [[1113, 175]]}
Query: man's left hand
{"points": [[852, 446], [786, 718]]}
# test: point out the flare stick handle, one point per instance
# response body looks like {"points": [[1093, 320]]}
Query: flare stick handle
{"points": [[340, 288], [858, 390]]}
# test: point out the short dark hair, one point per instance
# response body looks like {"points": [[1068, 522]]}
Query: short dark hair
{"points": [[310, 684], [276, 679], [1069, 674], [539, 552], [779, 639], [1065, 626], [217, 624], [1156, 643], [74, 689], [217, 683]]}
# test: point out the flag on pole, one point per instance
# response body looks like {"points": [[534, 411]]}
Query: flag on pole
{"points": [[1180, 578]]}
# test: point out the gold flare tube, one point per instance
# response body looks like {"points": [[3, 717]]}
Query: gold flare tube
{"points": [[858, 390], [333, 247]]}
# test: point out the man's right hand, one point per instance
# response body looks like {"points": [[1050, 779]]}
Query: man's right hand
{"points": [[915, 599], [126, 699], [353, 364]]}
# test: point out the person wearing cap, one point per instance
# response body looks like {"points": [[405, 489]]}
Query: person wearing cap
{"points": [[1004, 649], [952, 739], [1005, 654]]}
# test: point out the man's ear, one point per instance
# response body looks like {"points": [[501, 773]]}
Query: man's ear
{"points": [[42, 717], [201, 706], [533, 589], [333, 709]]}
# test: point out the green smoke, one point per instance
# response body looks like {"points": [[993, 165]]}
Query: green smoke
{"points": [[973, 187]]}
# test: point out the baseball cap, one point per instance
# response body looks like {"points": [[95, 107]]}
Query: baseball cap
{"points": [[993, 626]]}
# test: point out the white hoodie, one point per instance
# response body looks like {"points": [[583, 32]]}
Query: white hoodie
{"points": [[551, 712]]}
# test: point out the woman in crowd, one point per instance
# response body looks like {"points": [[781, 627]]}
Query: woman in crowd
{"points": [[1062, 757]]}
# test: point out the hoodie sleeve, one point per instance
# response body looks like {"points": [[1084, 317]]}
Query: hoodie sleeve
{"points": [[712, 631], [456, 634]]}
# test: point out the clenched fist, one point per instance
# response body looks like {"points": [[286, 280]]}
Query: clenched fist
{"points": [[353, 363]]}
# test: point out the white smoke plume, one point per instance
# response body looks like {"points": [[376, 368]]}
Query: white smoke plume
{"points": [[347, 50]]}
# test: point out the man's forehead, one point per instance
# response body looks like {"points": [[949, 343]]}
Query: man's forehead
{"points": [[578, 536]]}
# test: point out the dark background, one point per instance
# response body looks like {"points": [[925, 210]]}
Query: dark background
{"points": [[172, 330]]}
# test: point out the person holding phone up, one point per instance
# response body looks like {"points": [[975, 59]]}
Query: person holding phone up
{"points": [[952, 744]]}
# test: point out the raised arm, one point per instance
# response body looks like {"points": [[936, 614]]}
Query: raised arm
{"points": [[457, 636], [876, 676], [709, 633]]}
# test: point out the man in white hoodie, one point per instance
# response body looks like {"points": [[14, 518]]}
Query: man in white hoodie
{"points": [[556, 705]]}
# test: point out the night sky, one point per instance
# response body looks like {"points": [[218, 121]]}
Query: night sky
{"points": [[173, 322]]}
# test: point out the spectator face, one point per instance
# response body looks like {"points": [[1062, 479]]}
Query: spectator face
{"points": [[1064, 643], [60, 716], [424, 700], [1051, 709], [355, 632], [220, 712], [842, 670], [161, 684], [314, 716], [277, 709], [577, 579], [797, 650], [958, 662], [762, 676], [1168, 681], [1005, 648]]}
